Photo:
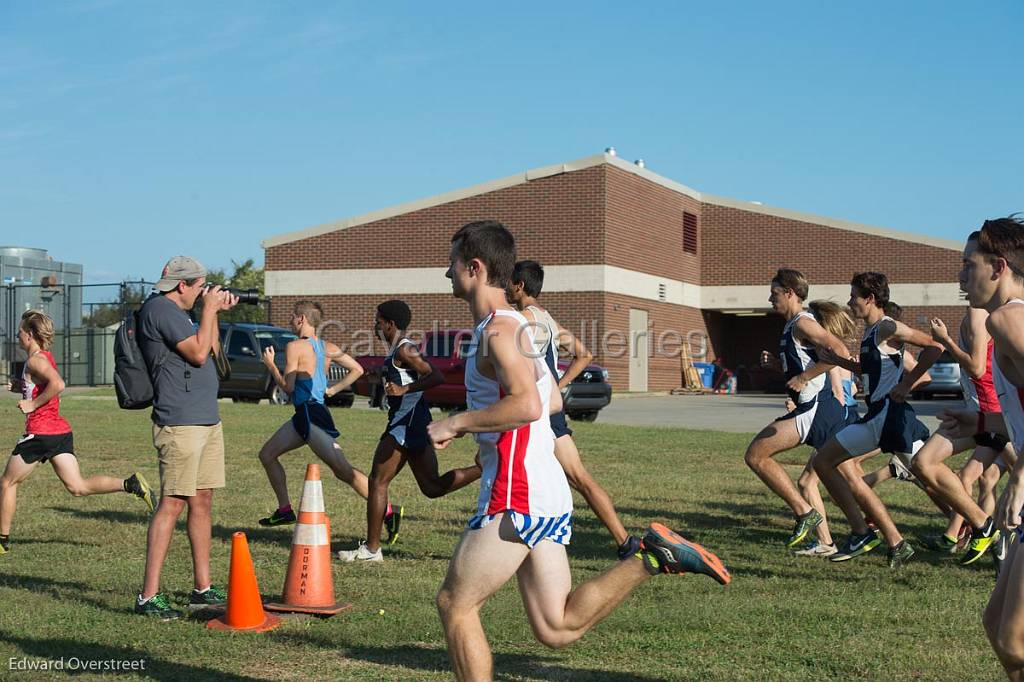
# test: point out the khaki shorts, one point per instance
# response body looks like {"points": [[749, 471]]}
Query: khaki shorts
{"points": [[191, 458]]}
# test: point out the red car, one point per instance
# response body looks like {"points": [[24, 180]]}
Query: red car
{"points": [[446, 350]]}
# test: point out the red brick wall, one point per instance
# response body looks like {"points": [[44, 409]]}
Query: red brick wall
{"points": [[662, 367], [556, 220], [644, 227], [743, 247]]}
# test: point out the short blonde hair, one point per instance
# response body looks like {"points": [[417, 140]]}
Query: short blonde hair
{"points": [[312, 310], [39, 326]]}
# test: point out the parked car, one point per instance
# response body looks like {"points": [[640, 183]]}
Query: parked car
{"points": [[945, 375], [250, 380], [446, 350]]}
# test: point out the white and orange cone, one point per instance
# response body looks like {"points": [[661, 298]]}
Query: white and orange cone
{"points": [[309, 585]]}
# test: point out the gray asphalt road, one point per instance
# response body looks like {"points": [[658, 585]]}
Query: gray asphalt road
{"points": [[737, 413]]}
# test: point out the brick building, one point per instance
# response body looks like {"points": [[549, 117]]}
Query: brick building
{"points": [[625, 251]]}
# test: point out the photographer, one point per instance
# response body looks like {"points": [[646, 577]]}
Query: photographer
{"points": [[186, 425]]}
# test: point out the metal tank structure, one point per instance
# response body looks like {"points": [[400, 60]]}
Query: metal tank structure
{"points": [[31, 279]]}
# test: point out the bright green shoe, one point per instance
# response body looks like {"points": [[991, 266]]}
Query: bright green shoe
{"points": [[804, 525], [156, 606], [393, 523], [981, 540], [211, 596], [856, 545]]}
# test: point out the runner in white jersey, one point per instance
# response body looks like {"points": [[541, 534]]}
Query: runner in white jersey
{"points": [[973, 353], [993, 277], [548, 338], [523, 517]]}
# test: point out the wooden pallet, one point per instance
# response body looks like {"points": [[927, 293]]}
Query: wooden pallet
{"points": [[692, 385]]}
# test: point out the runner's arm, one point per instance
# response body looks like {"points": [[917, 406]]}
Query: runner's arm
{"points": [[581, 355], [353, 370], [929, 354], [410, 357], [515, 373], [43, 372]]}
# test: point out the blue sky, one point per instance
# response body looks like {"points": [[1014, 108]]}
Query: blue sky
{"points": [[132, 131]]}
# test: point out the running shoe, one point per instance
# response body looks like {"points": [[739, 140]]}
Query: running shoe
{"points": [[939, 542], [211, 596], [804, 525], [981, 540], [630, 547], [1001, 551], [818, 549], [899, 554], [137, 485], [156, 606], [392, 522], [361, 554], [5, 546], [669, 552], [279, 518], [856, 545]]}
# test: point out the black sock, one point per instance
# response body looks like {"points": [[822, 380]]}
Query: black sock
{"points": [[5, 540], [124, 484]]}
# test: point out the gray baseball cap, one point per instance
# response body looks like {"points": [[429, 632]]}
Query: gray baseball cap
{"points": [[177, 269]]}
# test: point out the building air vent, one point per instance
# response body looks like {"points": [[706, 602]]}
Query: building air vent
{"points": [[689, 232], [662, 293]]}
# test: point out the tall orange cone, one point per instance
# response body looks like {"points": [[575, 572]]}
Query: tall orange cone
{"points": [[309, 586], [245, 608]]}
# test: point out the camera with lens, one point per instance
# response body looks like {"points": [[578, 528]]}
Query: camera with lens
{"points": [[247, 296]]}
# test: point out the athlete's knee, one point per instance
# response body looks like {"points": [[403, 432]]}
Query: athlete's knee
{"points": [[553, 638], [924, 471], [7, 483], [432, 489], [756, 455], [807, 483], [1009, 643], [268, 455], [446, 604], [76, 488]]}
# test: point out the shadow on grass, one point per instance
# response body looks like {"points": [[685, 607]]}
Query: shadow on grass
{"points": [[57, 589], [423, 658], [277, 536], [155, 668]]}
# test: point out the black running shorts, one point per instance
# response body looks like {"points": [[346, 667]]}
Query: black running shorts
{"points": [[34, 447]]}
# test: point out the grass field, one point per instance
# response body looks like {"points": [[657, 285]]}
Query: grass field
{"points": [[67, 587]]}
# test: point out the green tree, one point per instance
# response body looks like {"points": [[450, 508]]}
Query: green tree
{"points": [[245, 276]]}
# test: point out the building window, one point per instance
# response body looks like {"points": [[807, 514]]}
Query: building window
{"points": [[689, 232]]}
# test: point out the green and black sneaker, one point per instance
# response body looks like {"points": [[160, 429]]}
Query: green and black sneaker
{"points": [[211, 596], [156, 606], [393, 522], [5, 545], [856, 545], [804, 525], [279, 518], [940, 542], [981, 540], [899, 554]]}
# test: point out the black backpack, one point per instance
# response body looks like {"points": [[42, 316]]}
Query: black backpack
{"points": [[132, 381]]}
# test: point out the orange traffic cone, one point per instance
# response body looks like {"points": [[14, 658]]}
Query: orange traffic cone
{"points": [[245, 608], [309, 586]]}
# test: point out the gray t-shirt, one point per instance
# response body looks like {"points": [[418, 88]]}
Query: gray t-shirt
{"points": [[183, 394]]}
